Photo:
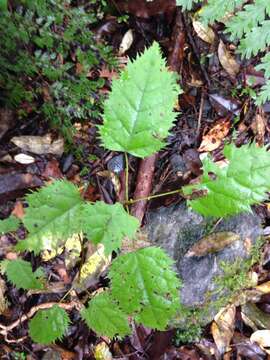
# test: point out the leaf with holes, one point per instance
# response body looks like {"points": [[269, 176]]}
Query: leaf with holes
{"points": [[108, 224], [234, 188], [49, 325], [52, 217], [145, 286], [139, 111], [20, 273], [104, 316]]}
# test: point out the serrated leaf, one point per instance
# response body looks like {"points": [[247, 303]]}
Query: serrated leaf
{"points": [[108, 224], [104, 317], [144, 285], [20, 273], [10, 224], [52, 217], [139, 111], [186, 4], [49, 325], [234, 188]]}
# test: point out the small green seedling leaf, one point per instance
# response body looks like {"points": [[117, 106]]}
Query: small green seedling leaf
{"points": [[49, 325], [10, 224], [104, 316], [145, 286], [108, 224], [19, 273], [234, 188], [52, 217], [139, 111]]}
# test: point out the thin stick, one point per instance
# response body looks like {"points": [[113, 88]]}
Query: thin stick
{"points": [[132, 201], [126, 177]]}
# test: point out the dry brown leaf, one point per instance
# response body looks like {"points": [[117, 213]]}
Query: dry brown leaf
{"points": [[40, 144], [227, 60], [114, 179], [261, 337], [258, 127], [213, 243], [3, 302], [213, 139], [222, 328], [204, 32], [18, 210]]}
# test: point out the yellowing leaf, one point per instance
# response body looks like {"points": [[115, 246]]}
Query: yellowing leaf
{"points": [[102, 352], [227, 60]]}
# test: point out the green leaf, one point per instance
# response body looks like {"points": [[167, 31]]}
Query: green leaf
{"points": [[139, 111], [20, 273], [247, 19], [264, 94], [237, 186], [186, 4], [258, 39], [49, 325], [108, 224], [144, 285], [52, 217], [215, 10], [104, 317], [10, 224]]}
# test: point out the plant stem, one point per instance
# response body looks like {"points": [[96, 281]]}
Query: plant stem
{"points": [[178, 191], [126, 182]]}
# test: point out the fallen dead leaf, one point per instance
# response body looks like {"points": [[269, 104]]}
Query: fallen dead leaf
{"points": [[261, 337], [227, 61], [126, 42], [3, 302], [213, 139], [102, 352], [213, 243], [40, 144], [258, 127], [18, 210], [204, 32], [264, 288], [222, 328], [24, 159]]}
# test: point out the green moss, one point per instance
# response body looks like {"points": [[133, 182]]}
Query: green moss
{"points": [[47, 54]]}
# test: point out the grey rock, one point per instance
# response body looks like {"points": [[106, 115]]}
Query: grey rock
{"points": [[176, 229]]}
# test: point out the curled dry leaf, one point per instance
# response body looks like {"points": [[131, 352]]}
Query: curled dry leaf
{"points": [[213, 243], [222, 328], [126, 42], [227, 61], [261, 337], [204, 32], [213, 139], [40, 144]]}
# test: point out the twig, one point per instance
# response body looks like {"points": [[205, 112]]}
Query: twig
{"points": [[7, 328], [200, 116]]}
